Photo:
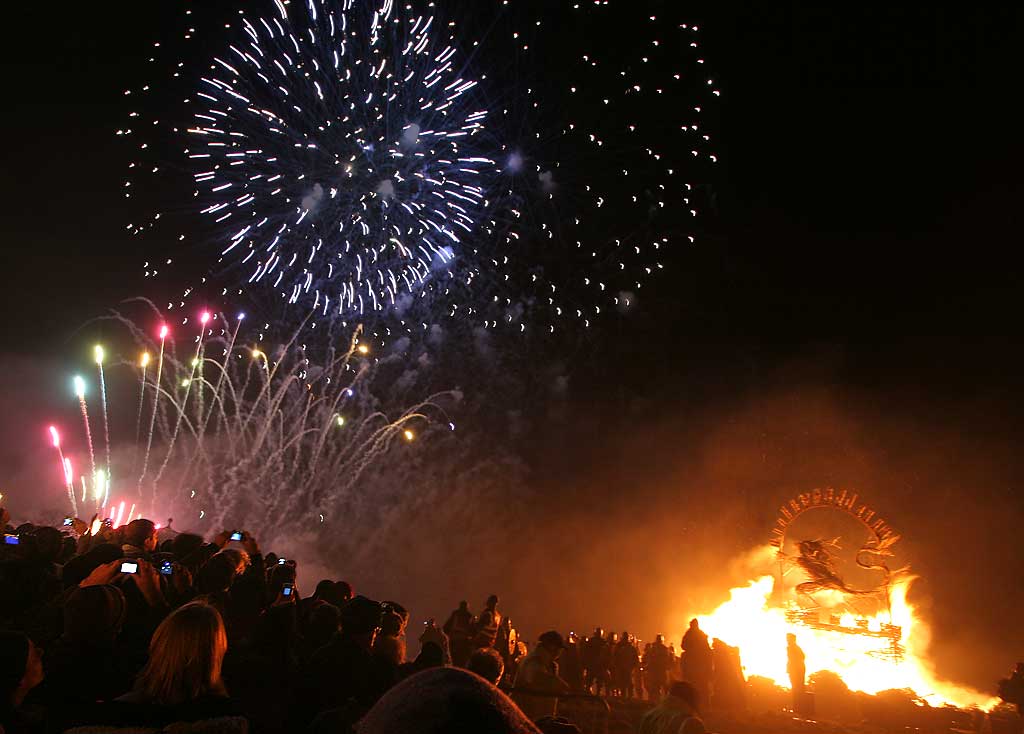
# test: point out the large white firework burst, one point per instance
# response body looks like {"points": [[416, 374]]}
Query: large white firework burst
{"points": [[332, 145], [393, 164]]}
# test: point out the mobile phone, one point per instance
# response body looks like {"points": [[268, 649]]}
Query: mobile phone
{"points": [[67, 522], [281, 561], [166, 569], [108, 522], [236, 536], [11, 540], [129, 567], [287, 589]]}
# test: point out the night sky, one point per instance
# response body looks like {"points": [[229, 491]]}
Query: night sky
{"points": [[857, 284]]}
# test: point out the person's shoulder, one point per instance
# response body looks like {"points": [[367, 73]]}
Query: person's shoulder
{"points": [[692, 725]]}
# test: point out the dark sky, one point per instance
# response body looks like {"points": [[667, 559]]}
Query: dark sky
{"points": [[862, 267]]}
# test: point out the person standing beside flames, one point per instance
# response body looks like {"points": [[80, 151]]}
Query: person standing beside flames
{"points": [[796, 667], [696, 660]]}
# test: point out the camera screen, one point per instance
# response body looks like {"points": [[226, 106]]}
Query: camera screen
{"points": [[286, 591], [166, 568], [129, 567], [236, 536], [11, 540]]}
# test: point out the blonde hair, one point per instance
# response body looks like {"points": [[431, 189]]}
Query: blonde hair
{"points": [[185, 656]]}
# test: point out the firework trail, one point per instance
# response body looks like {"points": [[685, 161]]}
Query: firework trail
{"points": [[187, 382], [65, 468], [281, 437], [79, 384], [98, 355], [156, 403], [69, 480], [143, 364]]}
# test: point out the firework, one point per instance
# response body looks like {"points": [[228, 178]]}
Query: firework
{"points": [[164, 331], [280, 435], [98, 356], [79, 385], [376, 161], [65, 467]]}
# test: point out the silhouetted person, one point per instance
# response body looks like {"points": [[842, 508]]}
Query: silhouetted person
{"points": [[572, 663], [93, 617], [796, 667], [728, 683], [1011, 689], [538, 673], [593, 660], [486, 628], [658, 661], [625, 661], [604, 681], [696, 659], [459, 629], [344, 675], [182, 679]]}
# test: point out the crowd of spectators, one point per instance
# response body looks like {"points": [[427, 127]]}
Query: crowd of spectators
{"points": [[129, 629]]}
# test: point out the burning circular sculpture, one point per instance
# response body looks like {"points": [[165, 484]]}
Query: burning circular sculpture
{"points": [[826, 600]]}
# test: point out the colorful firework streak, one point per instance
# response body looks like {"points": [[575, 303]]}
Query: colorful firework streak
{"points": [[239, 433]]}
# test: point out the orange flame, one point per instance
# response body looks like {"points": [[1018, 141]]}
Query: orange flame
{"points": [[754, 619]]}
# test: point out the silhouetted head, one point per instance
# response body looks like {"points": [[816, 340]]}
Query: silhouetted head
{"points": [[217, 575], [431, 656], [487, 663], [790, 639], [361, 617], [686, 693], [323, 623], [239, 557], [331, 592], [345, 590], [660, 639], [48, 544], [184, 544], [463, 606], [492, 602], [185, 656], [694, 625], [553, 642], [392, 624], [94, 614], [140, 533]]}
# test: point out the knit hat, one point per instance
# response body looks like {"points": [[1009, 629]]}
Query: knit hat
{"points": [[442, 700], [94, 614]]}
